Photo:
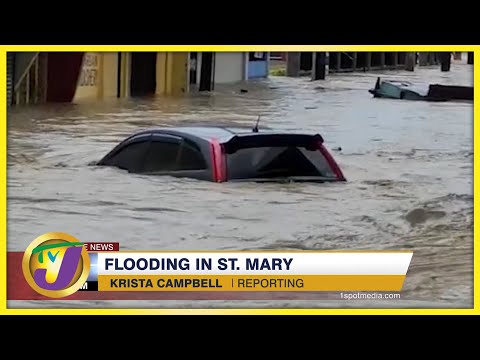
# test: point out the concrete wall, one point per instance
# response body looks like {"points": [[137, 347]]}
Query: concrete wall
{"points": [[98, 76], [125, 63], [229, 67], [89, 80], [172, 73], [110, 74]]}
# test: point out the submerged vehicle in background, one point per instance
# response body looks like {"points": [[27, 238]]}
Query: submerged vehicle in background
{"points": [[220, 154], [405, 90]]}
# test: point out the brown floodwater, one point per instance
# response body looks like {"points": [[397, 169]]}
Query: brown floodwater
{"points": [[409, 167]]}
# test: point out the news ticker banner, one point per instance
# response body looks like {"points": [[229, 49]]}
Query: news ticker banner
{"points": [[58, 265]]}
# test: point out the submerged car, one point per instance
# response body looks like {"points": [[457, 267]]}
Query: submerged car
{"points": [[220, 154], [395, 89]]}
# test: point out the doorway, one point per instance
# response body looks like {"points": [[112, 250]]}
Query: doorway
{"points": [[193, 68], [143, 78], [207, 72]]}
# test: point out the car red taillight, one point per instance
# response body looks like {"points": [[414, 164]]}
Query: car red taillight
{"points": [[331, 162], [218, 161]]}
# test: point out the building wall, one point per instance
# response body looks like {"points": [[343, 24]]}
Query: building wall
{"points": [[257, 69], [199, 67], [110, 74], [161, 73], [279, 56], [172, 73], [229, 67], [124, 86], [89, 80], [98, 76], [258, 64], [104, 75]]}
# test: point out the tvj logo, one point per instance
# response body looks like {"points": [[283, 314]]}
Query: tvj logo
{"points": [[56, 265]]}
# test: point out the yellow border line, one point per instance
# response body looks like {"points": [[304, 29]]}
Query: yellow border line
{"points": [[233, 311], [476, 219], [3, 146], [283, 311], [187, 48], [260, 251]]}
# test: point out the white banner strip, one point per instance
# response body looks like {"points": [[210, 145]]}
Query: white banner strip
{"points": [[246, 263]]}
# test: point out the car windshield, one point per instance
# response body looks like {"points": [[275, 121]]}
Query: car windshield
{"points": [[277, 162]]}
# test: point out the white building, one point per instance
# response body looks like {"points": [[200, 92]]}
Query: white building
{"points": [[227, 67]]}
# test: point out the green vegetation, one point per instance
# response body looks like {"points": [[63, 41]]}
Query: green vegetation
{"points": [[278, 71]]}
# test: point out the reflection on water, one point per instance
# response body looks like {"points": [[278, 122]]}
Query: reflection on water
{"points": [[409, 166]]}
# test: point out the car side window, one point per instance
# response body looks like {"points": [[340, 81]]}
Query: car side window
{"points": [[161, 156], [191, 158], [131, 156]]}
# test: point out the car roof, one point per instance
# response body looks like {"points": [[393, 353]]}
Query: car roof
{"points": [[221, 134]]}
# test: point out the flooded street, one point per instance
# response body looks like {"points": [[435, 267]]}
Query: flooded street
{"points": [[409, 167]]}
